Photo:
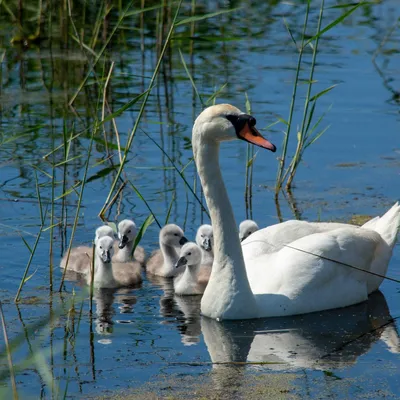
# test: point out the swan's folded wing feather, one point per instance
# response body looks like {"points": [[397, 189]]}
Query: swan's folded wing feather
{"points": [[303, 272]]}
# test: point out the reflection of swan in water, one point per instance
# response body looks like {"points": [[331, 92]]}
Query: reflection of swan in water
{"points": [[179, 311], [105, 311], [104, 299], [189, 325], [334, 338]]}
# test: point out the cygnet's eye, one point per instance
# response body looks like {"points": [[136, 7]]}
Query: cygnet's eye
{"points": [[101, 248], [249, 233], [129, 231], [175, 234], [202, 235], [189, 254]]}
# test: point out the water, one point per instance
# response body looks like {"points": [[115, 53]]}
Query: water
{"points": [[146, 341]]}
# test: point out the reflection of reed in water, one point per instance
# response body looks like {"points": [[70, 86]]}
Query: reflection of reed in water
{"points": [[329, 339]]}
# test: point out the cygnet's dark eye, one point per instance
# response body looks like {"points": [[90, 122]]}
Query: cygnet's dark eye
{"points": [[175, 234], [101, 248], [250, 233], [189, 254], [129, 231], [202, 236]]}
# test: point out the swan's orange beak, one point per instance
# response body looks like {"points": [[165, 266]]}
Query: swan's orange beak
{"points": [[252, 135]]}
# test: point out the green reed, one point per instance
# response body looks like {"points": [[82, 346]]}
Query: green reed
{"points": [[309, 130]]}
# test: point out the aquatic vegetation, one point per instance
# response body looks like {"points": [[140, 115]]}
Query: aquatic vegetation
{"points": [[96, 101]]}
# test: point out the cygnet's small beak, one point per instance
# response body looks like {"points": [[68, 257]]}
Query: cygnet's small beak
{"points": [[106, 257], [181, 262], [207, 244], [241, 238], [252, 135], [123, 241], [183, 240]]}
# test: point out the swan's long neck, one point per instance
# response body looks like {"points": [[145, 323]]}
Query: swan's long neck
{"points": [[125, 254], [170, 258], [228, 292], [103, 275]]}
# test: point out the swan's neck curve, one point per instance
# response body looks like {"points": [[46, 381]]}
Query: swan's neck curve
{"points": [[228, 294], [103, 275], [170, 258], [125, 254]]}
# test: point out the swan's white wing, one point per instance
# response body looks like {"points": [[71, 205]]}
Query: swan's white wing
{"points": [[274, 237], [302, 281]]}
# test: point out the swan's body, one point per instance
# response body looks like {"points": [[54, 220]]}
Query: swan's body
{"points": [[286, 281], [123, 250], [189, 282], [247, 228], [162, 261], [112, 275], [80, 257]]}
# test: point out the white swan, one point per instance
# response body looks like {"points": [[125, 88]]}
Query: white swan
{"points": [[112, 275], [247, 228], [192, 281], [295, 282], [127, 234], [205, 240], [162, 261], [79, 258]]}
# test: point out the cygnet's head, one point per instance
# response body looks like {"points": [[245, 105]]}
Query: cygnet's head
{"points": [[246, 228], [102, 231], [189, 255], [224, 122], [126, 232], [205, 237], [172, 235], [104, 249]]}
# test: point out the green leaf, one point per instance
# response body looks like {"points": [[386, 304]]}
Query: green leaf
{"points": [[196, 18], [126, 106], [148, 221], [102, 173], [190, 77], [27, 245], [290, 32], [143, 10], [113, 226], [170, 208], [248, 105], [334, 23], [30, 276], [215, 94], [315, 97]]}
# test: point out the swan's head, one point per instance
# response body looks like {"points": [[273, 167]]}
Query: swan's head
{"points": [[102, 231], [189, 255], [205, 237], [224, 122], [104, 249], [172, 235], [126, 232], [246, 228]]}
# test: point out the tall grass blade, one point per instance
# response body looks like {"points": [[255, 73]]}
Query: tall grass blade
{"points": [[138, 118], [197, 18], [9, 357], [147, 222], [190, 78]]}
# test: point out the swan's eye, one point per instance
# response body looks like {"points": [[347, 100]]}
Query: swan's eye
{"points": [[202, 236], [252, 121], [175, 234], [249, 233], [189, 254], [101, 248], [129, 231]]}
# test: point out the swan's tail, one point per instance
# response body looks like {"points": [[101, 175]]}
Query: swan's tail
{"points": [[387, 225]]}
